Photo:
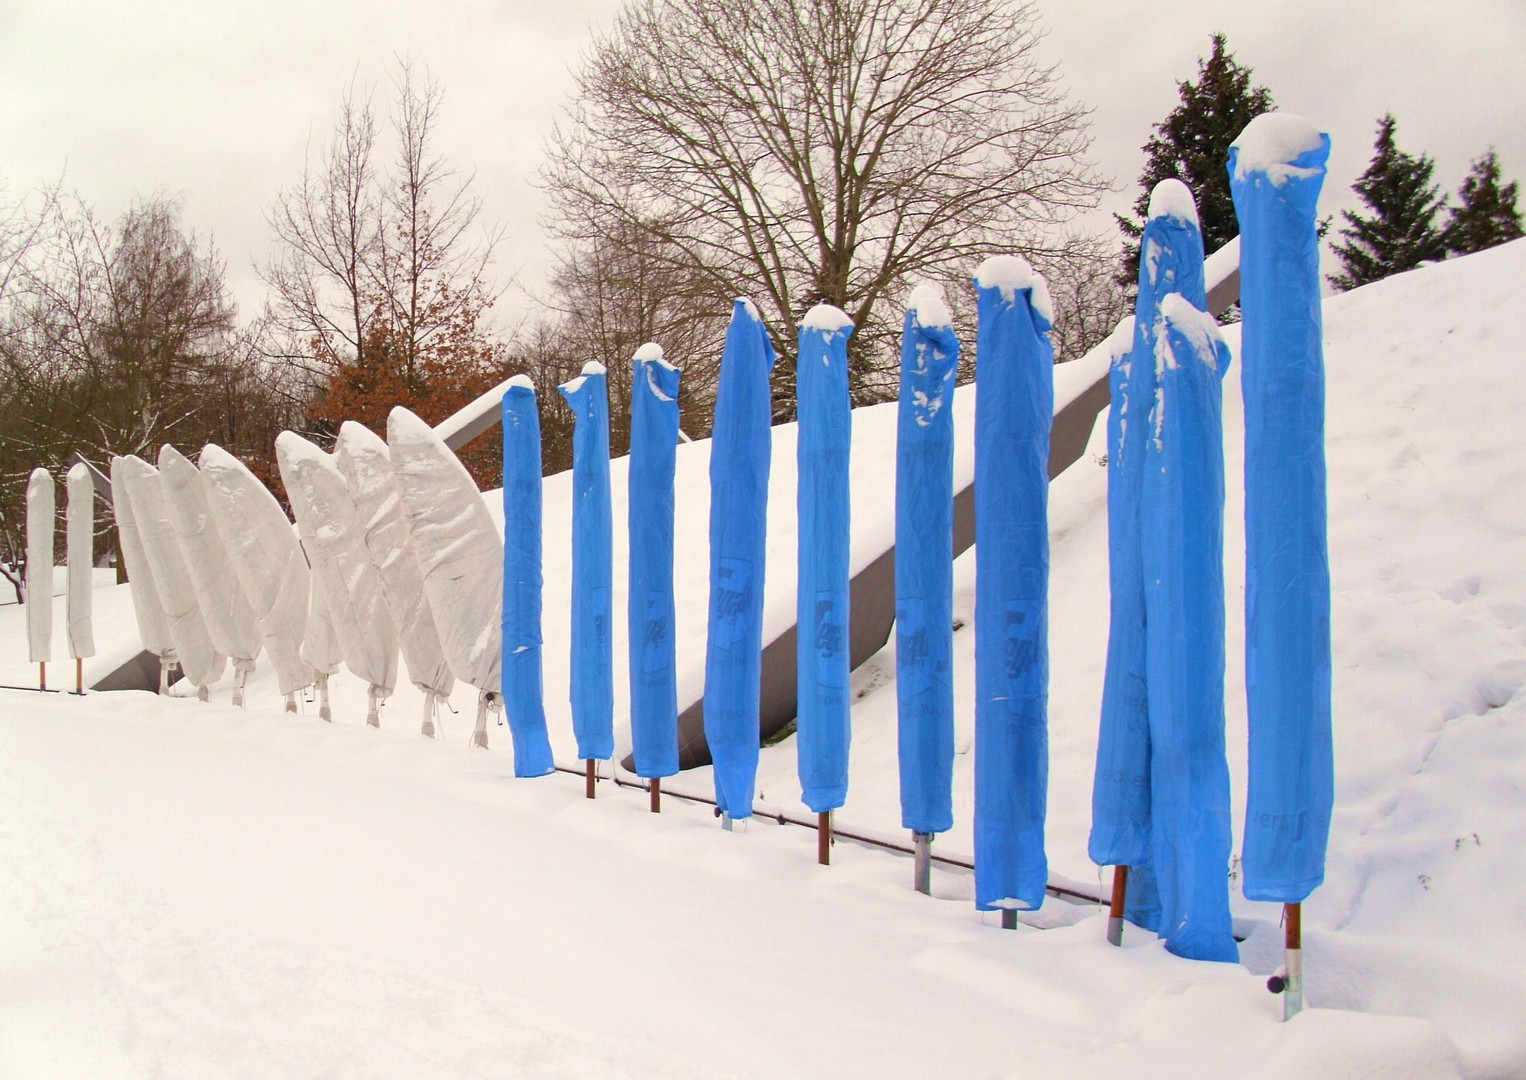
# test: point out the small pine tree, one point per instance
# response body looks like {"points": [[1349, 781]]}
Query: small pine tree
{"points": [[1401, 232], [1486, 213], [1192, 145]]}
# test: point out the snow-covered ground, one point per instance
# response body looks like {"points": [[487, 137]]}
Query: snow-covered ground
{"points": [[191, 889]]}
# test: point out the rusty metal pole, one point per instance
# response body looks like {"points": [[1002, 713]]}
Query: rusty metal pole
{"points": [[79, 676], [1115, 909], [589, 778], [1292, 993], [42, 676], [654, 790], [824, 838]]}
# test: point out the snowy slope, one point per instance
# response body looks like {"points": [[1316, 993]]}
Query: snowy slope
{"points": [[190, 889]]}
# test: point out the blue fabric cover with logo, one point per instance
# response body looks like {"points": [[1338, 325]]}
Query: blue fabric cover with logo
{"points": [[1171, 261], [591, 686], [1291, 788], [1183, 515], [740, 448], [1014, 408], [523, 700], [924, 574], [654, 682], [822, 660]]}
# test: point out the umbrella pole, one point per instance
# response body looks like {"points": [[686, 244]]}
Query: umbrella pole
{"points": [[1115, 909], [479, 734], [922, 862], [589, 778], [1292, 940], [1009, 918], [79, 675], [654, 789], [42, 676], [824, 838], [725, 821]]}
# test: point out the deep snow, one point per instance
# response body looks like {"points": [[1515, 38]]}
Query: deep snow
{"points": [[191, 889]]}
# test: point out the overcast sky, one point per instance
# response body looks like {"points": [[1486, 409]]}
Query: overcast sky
{"points": [[217, 102]]}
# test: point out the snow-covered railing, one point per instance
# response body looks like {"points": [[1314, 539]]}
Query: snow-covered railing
{"points": [[472, 419]]}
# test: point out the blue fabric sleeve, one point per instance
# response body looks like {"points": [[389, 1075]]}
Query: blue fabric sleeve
{"points": [[1291, 788], [924, 575], [1014, 408], [1171, 261], [650, 613], [591, 687], [822, 620], [523, 701], [1183, 514], [741, 444]]}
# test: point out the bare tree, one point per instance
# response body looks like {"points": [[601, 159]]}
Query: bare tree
{"points": [[378, 263], [328, 226], [432, 269], [1089, 301], [612, 298], [116, 338], [806, 152]]}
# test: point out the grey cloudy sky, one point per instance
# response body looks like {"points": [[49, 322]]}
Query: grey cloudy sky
{"points": [[217, 102]]}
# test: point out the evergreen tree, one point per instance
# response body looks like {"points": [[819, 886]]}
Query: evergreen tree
{"points": [[1486, 214], [1192, 145], [1401, 232]]}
